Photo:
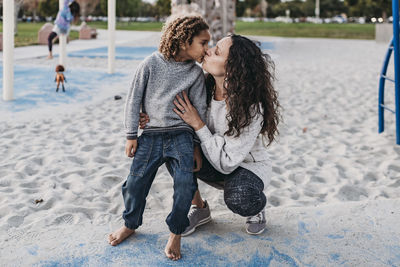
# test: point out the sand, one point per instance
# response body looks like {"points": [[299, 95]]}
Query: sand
{"points": [[71, 155]]}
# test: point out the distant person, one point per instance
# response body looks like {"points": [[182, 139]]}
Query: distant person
{"points": [[60, 77], [167, 139], [68, 14], [243, 113]]}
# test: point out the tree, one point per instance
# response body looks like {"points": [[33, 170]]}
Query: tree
{"points": [[163, 7], [124, 8], [369, 8], [88, 6], [48, 8], [32, 6]]}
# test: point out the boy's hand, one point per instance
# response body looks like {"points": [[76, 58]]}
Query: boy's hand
{"points": [[130, 147], [198, 161]]}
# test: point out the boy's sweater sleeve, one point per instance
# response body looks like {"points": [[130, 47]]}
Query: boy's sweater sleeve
{"points": [[226, 153], [197, 96], [134, 101]]}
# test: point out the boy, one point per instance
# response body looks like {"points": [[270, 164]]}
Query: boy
{"points": [[166, 138]]}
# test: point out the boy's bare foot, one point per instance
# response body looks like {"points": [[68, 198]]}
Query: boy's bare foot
{"points": [[120, 235], [50, 56], [173, 247]]}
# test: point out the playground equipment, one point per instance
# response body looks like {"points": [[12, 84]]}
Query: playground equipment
{"points": [[393, 47], [8, 45]]}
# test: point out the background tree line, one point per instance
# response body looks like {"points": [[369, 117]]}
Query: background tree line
{"points": [[328, 8], [139, 8]]}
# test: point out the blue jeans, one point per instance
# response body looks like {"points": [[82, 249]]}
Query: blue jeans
{"points": [[154, 149]]}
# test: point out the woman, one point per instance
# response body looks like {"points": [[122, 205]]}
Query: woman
{"points": [[242, 111]]}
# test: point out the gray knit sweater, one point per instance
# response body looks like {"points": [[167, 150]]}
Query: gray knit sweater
{"points": [[156, 83]]}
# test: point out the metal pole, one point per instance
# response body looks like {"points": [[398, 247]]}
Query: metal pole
{"points": [[111, 36], [8, 49], [317, 9], [395, 7], [62, 41]]}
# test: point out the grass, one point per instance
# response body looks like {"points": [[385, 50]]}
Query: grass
{"points": [[27, 32], [346, 31], [130, 26]]}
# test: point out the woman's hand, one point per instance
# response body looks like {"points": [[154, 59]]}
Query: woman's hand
{"points": [[187, 112], [143, 120]]}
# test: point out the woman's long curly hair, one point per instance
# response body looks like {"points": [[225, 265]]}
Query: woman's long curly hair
{"points": [[178, 32], [250, 91]]}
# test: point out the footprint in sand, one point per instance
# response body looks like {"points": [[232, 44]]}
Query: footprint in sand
{"points": [[100, 160], [105, 152], [276, 170], [64, 219], [396, 184], [351, 193], [15, 221], [317, 179], [275, 184], [394, 168], [5, 182], [87, 148], [274, 201], [38, 161], [77, 160], [110, 181], [28, 170], [370, 177]]}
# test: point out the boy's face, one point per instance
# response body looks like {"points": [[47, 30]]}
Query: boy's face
{"points": [[197, 50]]}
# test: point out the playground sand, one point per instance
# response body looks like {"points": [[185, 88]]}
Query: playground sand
{"points": [[63, 168]]}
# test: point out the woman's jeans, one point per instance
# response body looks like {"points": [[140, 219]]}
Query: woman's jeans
{"points": [[243, 190], [154, 149]]}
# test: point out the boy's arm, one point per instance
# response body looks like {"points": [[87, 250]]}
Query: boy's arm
{"points": [[198, 98], [134, 100]]}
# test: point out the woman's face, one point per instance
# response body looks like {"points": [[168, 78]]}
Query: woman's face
{"points": [[216, 57]]}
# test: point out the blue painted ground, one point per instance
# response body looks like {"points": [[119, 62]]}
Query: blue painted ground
{"points": [[35, 87], [147, 250], [134, 53], [121, 52]]}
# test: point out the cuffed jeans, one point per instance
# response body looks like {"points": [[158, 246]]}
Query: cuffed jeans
{"points": [[154, 149], [243, 190]]}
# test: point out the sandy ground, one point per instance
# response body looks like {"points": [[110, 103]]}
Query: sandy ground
{"points": [[328, 155]]}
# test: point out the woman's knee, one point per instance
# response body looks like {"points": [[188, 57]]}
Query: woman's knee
{"points": [[244, 198]]}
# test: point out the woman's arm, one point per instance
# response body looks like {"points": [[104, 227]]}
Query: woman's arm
{"points": [[225, 153]]}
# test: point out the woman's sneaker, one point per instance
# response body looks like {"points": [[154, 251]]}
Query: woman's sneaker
{"points": [[197, 216], [255, 225]]}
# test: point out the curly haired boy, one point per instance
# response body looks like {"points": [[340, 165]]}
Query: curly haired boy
{"points": [[166, 138]]}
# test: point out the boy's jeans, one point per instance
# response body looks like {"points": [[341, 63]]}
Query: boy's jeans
{"points": [[176, 150]]}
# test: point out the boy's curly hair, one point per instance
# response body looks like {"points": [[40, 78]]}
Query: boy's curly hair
{"points": [[178, 32]]}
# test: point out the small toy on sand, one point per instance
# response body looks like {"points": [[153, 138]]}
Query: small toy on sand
{"points": [[60, 78]]}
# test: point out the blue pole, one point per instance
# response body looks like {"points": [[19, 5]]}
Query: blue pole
{"points": [[381, 111], [395, 11]]}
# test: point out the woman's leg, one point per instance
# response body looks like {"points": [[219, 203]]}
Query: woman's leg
{"points": [[243, 193]]}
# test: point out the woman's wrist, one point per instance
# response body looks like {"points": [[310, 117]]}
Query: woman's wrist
{"points": [[199, 125]]}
